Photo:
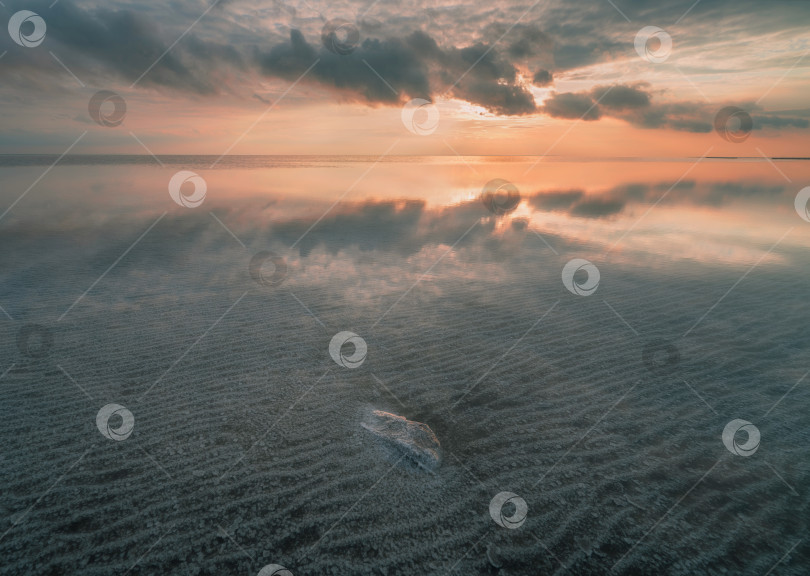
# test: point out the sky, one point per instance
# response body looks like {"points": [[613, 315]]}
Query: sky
{"points": [[573, 78], [636, 135]]}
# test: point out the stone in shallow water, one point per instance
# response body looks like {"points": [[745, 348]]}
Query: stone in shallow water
{"points": [[403, 437]]}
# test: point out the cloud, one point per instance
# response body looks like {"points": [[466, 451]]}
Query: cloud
{"points": [[474, 54], [131, 45], [621, 97], [571, 105], [634, 104], [386, 68], [393, 70], [593, 104], [398, 226], [578, 203], [600, 204], [395, 60], [773, 121], [554, 201], [597, 208], [50, 236], [126, 43], [542, 78]]}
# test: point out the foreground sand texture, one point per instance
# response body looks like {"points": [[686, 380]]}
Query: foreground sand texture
{"points": [[252, 446]]}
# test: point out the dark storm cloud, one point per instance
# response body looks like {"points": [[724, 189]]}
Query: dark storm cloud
{"points": [[503, 99], [635, 104], [592, 105], [414, 66], [123, 43], [766, 121], [698, 117], [100, 43], [571, 105], [621, 97], [523, 41], [570, 35], [396, 60], [542, 78], [481, 59]]}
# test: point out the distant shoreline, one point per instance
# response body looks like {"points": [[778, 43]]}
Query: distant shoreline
{"points": [[81, 159]]}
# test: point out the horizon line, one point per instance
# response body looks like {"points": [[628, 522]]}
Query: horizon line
{"points": [[2, 154]]}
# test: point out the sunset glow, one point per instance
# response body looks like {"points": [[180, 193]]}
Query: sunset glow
{"points": [[379, 288]]}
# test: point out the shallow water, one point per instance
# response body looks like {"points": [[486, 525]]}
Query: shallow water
{"points": [[604, 412]]}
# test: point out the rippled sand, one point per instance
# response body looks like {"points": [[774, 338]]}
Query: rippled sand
{"points": [[248, 448]]}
